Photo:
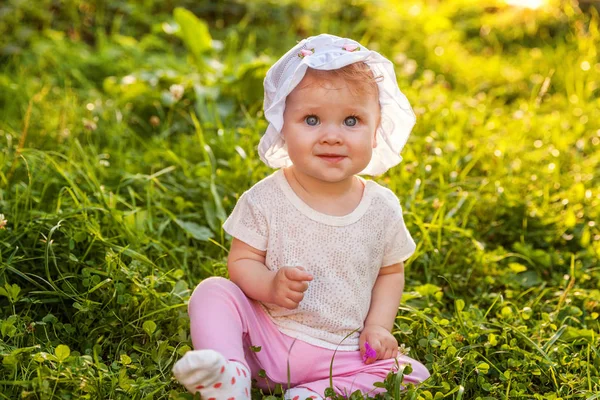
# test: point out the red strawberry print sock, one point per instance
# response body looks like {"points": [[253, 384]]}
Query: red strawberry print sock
{"points": [[208, 372]]}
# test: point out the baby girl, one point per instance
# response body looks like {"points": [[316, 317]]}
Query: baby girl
{"points": [[316, 263]]}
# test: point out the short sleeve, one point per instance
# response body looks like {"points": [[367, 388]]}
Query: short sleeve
{"points": [[399, 244], [248, 224]]}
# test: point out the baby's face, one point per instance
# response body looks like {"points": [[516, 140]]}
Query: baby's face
{"points": [[330, 127]]}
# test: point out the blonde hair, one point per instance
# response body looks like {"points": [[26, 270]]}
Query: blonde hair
{"points": [[359, 76]]}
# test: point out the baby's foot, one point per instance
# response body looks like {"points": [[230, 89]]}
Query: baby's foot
{"points": [[208, 372], [301, 393]]}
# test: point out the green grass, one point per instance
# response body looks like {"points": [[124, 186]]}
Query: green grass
{"points": [[114, 188]]}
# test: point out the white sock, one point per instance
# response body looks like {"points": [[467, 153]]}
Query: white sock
{"points": [[301, 394], [208, 372]]}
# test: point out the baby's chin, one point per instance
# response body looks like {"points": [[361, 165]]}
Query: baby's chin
{"points": [[332, 175]]}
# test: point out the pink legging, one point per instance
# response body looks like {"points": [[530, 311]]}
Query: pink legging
{"points": [[222, 318]]}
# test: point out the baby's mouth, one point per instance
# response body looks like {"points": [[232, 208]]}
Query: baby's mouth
{"points": [[331, 158]]}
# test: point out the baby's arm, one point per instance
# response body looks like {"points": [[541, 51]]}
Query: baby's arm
{"points": [[247, 269], [385, 299]]}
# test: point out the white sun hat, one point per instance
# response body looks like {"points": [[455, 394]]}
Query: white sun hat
{"points": [[328, 52]]}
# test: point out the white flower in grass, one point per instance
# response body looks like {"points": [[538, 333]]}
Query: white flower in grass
{"points": [[89, 124], [3, 222], [128, 80], [402, 349], [177, 91]]}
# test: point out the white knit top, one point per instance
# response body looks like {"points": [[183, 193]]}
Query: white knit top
{"points": [[343, 253]]}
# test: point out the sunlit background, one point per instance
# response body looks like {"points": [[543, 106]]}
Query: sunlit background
{"points": [[533, 4]]}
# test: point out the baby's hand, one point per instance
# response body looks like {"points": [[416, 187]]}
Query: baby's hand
{"points": [[289, 285], [380, 340]]}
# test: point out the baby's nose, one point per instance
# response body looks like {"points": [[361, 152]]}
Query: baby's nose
{"points": [[332, 135]]}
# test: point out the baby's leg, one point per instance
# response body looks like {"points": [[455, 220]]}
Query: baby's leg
{"points": [[217, 368], [219, 313], [350, 374], [226, 322]]}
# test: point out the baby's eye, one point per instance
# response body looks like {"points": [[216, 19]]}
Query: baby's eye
{"points": [[312, 120], [351, 121]]}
